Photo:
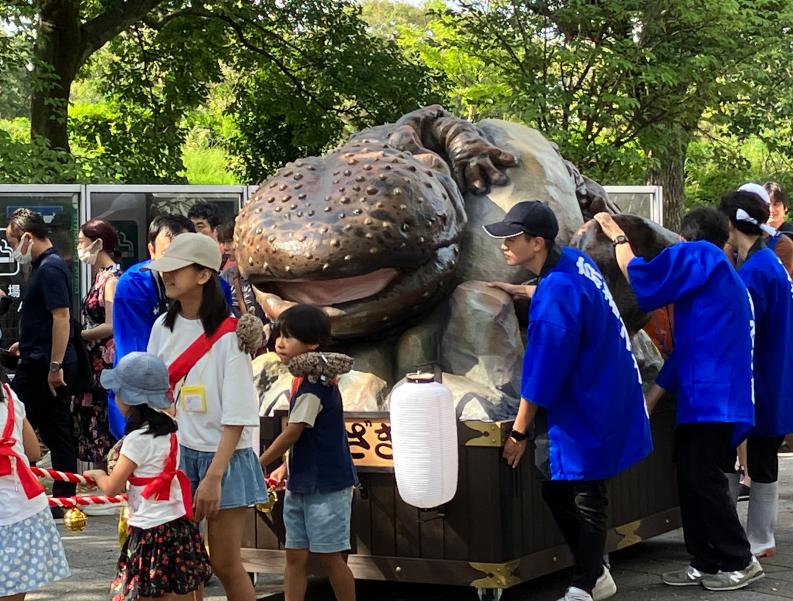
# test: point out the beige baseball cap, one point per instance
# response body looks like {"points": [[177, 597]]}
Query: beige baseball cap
{"points": [[188, 249]]}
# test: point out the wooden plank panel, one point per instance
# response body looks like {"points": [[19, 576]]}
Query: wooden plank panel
{"points": [[270, 532], [382, 489], [407, 527], [431, 538], [483, 494], [361, 526], [455, 526]]}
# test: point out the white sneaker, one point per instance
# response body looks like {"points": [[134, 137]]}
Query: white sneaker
{"points": [[605, 586], [576, 594]]}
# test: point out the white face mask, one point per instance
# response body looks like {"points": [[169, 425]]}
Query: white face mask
{"points": [[89, 255], [26, 257]]}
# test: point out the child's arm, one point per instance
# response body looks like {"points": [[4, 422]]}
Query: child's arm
{"points": [[207, 495], [30, 441], [281, 444], [116, 482]]}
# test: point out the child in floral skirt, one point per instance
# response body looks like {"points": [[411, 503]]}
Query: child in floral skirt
{"points": [[164, 555]]}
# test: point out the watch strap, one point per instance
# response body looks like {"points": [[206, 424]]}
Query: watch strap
{"points": [[621, 239]]}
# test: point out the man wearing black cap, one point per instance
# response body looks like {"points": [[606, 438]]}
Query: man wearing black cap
{"points": [[581, 389]]}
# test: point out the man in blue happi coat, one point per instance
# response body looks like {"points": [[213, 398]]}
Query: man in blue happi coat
{"points": [[710, 372], [772, 296], [581, 390]]}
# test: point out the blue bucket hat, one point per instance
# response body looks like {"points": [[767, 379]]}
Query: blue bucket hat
{"points": [[139, 379]]}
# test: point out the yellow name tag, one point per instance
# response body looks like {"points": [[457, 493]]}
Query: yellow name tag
{"points": [[194, 398]]}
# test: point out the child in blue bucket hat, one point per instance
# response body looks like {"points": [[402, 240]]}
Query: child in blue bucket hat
{"points": [[164, 553]]}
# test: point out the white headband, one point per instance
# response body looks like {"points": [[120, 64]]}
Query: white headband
{"points": [[741, 215], [756, 189]]}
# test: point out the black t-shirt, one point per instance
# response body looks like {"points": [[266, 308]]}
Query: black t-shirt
{"points": [[48, 288]]}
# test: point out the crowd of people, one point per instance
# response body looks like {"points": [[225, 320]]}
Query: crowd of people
{"points": [[155, 362]]}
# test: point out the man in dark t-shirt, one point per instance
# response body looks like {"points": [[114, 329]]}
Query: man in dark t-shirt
{"points": [[47, 358]]}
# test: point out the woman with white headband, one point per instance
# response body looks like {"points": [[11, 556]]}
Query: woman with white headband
{"points": [[772, 296]]}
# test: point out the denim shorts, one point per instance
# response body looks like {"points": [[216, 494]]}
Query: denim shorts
{"points": [[318, 522], [243, 481]]}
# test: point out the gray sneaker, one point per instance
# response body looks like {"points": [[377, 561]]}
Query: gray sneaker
{"points": [[731, 581], [689, 576]]}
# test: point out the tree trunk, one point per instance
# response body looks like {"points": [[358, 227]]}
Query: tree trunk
{"points": [[670, 175], [57, 57]]}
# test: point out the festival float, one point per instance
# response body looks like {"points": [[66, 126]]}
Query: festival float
{"points": [[385, 234]]}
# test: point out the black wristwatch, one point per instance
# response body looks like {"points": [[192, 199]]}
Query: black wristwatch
{"points": [[517, 436], [55, 367], [621, 239]]}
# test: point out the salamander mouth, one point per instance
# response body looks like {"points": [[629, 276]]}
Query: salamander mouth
{"points": [[337, 291], [360, 305]]}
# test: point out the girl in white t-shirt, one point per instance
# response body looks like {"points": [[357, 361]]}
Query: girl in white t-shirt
{"points": [[216, 401], [31, 553], [164, 555]]}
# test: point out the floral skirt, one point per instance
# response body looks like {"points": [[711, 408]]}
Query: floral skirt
{"points": [[170, 558]]}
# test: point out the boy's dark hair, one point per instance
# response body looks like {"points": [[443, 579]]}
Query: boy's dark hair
{"points": [[306, 323], [213, 310], [25, 221], [776, 193], [173, 224], [755, 206], [206, 211], [158, 423], [225, 231], [705, 223]]}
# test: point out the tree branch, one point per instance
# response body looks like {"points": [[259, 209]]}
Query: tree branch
{"points": [[104, 27]]}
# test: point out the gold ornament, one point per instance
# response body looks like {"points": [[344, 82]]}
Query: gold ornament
{"points": [[122, 526], [267, 506], [75, 520]]}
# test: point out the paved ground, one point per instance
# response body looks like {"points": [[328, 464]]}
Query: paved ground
{"points": [[92, 555]]}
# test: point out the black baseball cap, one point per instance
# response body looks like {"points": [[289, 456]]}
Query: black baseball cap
{"points": [[532, 217]]}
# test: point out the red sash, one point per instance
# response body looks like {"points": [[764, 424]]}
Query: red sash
{"points": [[159, 486], [10, 461], [182, 365]]}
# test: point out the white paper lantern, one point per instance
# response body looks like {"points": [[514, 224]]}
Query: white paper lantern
{"points": [[424, 440]]}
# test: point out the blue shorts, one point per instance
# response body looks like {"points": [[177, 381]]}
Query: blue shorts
{"points": [[243, 481], [318, 522]]}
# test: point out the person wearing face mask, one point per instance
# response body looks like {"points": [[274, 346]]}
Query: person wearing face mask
{"points": [[97, 246], [47, 358]]}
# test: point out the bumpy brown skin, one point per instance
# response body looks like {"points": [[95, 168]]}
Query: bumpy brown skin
{"points": [[385, 199]]}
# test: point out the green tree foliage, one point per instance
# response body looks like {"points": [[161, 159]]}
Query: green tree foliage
{"points": [[299, 75], [621, 85], [320, 77]]}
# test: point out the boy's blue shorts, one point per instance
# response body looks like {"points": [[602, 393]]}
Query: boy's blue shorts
{"points": [[318, 522]]}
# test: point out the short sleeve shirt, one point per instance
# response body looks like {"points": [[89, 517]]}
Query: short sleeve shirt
{"points": [[49, 287], [149, 453]]}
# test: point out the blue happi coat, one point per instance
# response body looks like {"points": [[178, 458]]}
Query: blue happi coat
{"points": [[580, 368], [711, 367], [772, 295]]}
